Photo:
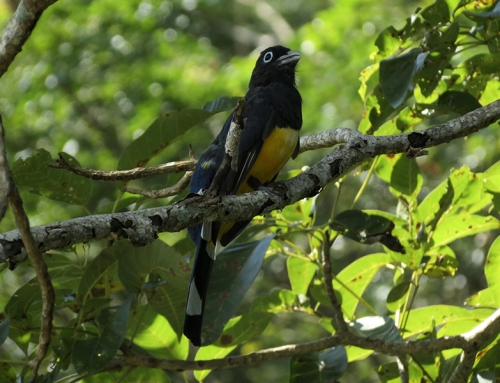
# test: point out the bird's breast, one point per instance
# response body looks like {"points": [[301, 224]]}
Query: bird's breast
{"points": [[276, 151]]}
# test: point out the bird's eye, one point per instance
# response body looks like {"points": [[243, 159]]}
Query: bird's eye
{"points": [[268, 57]]}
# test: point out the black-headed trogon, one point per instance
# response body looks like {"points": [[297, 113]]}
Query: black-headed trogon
{"points": [[272, 120]]}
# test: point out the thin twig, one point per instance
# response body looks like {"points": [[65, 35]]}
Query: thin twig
{"points": [[4, 174], [19, 29], [341, 325], [125, 175], [47, 290], [167, 192]]}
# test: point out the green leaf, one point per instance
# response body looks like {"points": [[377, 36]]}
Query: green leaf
{"points": [[450, 320], [56, 184], [233, 273], [23, 300], [396, 75], [492, 265], [4, 330], [387, 42], [300, 272], [435, 204], [356, 277], [153, 333], [483, 63], [376, 327], [208, 353], [170, 302], [243, 328], [397, 296], [489, 297], [440, 263], [7, 373], [319, 367], [368, 228], [167, 129], [137, 375], [389, 373], [136, 263], [459, 226], [90, 355], [458, 102], [437, 13], [281, 301], [99, 271], [406, 177]]}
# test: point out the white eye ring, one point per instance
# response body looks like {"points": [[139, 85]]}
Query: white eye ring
{"points": [[268, 57]]}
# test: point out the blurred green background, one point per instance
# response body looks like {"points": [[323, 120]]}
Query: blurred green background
{"points": [[95, 74]]}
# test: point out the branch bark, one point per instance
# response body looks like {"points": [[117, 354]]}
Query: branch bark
{"points": [[142, 227], [19, 28], [473, 339]]}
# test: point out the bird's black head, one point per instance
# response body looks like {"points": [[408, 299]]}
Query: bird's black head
{"points": [[275, 64]]}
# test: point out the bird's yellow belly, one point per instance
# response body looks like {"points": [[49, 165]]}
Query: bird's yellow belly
{"points": [[276, 151]]}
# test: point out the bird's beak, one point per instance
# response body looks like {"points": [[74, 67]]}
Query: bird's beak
{"points": [[292, 57]]}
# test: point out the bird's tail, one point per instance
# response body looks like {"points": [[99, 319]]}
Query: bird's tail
{"points": [[198, 286]]}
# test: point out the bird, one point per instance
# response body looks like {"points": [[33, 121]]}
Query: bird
{"points": [[270, 137]]}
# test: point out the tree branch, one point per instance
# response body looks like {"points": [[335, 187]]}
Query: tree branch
{"points": [[142, 227], [47, 290], [125, 175], [19, 28]]}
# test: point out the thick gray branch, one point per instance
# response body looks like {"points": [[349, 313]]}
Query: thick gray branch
{"points": [[142, 227], [19, 28]]}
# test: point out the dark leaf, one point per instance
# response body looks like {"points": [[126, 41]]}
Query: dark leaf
{"points": [[437, 13], [91, 355], [319, 367], [458, 102], [57, 184], [4, 330], [366, 228], [396, 75], [167, 129], [233, 273]]}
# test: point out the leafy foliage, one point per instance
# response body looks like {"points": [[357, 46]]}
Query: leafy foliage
{"points": [[410, 231]]}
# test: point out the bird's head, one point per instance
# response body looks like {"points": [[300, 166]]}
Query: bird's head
{"points": [[275, 64]]}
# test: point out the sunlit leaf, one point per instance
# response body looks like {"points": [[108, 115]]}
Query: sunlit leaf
{"points": [[243, 328], [300, 273], [211, 352], [154, 334], [451, 320], [459, 226], [352, 281], [168, 301]]}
